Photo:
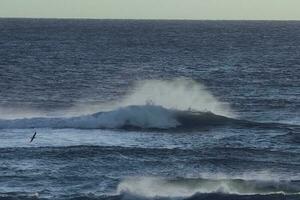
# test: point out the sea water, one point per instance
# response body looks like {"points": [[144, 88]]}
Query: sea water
{"points": [[129, 109]]}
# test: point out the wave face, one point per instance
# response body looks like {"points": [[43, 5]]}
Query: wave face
{"points": [[148, 116], [181, 187], [140, 117]]}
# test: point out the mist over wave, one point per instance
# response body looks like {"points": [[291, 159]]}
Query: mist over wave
{"points": [[179, 94]]}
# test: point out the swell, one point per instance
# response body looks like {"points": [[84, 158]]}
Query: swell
{"points": [[233, 157], [142, 117]]}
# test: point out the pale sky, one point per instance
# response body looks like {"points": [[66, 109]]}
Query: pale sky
{"points": [[154, 9]]}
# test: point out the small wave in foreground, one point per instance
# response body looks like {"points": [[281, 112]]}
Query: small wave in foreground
{"points": [[181, 187]]}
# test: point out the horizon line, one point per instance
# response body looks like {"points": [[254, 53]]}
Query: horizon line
{"points": [[147, 19]]}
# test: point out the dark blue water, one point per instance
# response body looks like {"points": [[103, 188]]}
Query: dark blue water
{"points": [[149, 109]]}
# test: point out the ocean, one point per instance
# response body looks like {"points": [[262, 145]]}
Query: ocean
{"points": [[149, 109]]}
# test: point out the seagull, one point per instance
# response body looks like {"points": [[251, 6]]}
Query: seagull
{"points": [[32, 138]]}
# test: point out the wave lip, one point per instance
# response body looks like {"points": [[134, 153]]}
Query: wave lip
{"points": [[150, 187]]}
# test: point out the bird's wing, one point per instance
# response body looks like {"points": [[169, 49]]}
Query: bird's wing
{"points": [[32, 138]]}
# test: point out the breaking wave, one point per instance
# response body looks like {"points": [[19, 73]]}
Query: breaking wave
{"points": [[153, 104], [134, 117], [182, 187]]}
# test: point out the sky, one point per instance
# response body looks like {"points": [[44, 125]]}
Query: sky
{"points": [[154, 9]]}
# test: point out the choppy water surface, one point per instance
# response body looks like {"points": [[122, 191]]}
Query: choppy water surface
{"points": [[149, 109]]}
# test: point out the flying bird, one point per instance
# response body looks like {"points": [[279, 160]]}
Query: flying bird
{"points": [[32, 138]]}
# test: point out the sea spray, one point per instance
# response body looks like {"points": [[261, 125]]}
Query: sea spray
{"points": [[180, 94]]}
